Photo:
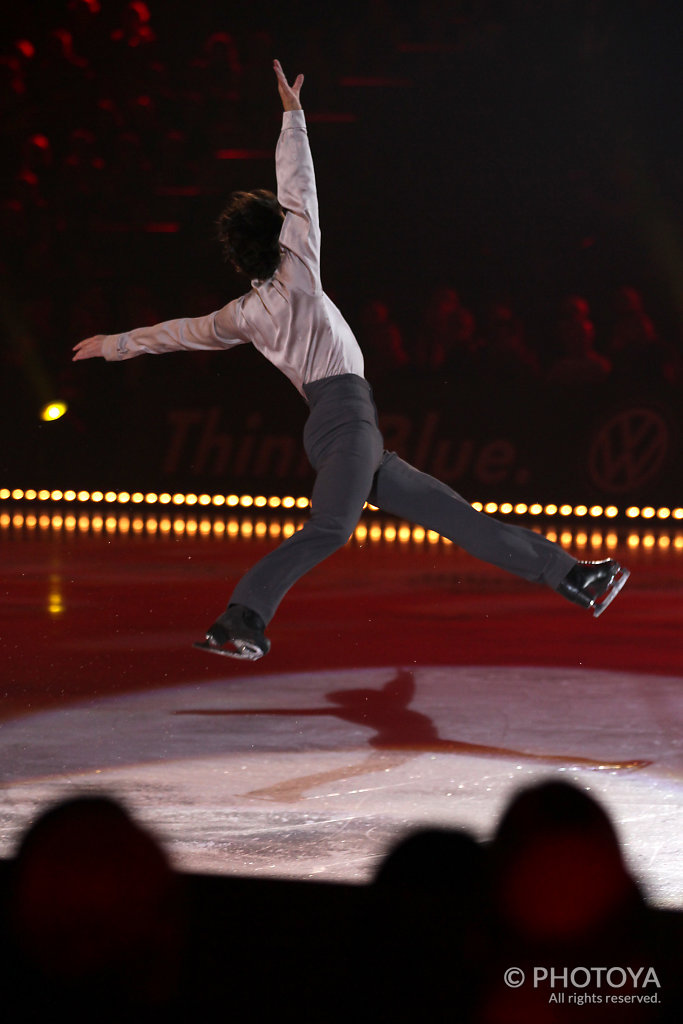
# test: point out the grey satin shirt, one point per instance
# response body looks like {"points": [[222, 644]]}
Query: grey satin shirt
{"points": [[288, 318]]}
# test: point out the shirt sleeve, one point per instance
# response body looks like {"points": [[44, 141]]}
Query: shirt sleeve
{"points": [[218, 330], [297, 194]]}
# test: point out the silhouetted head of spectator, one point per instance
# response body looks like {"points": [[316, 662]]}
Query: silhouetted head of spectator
{"points": [[249, 232], [81, 143], [93, 900], [502, 325], [501, 312], [629, 300], [576, 329], [557, 866], [25, 49], [575, 307], [446, 312], [381, 338], [432, 889], [136, 28], [83, 17], [221, 48], [60, 47], [433, 859], [633, 327], [376, 312], [12, 76], [445, 301], [37, 152]]}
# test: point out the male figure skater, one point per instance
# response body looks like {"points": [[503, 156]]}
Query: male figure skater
{"points": [[288, 317]]}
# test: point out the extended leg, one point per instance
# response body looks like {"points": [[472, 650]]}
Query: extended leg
{"points": [[404, 491]]}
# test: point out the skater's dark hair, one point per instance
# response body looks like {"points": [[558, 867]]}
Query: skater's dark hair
{"points": [[249, 232]]}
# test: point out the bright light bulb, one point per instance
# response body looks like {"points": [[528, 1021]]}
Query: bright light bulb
{"points": [[53, 411]]}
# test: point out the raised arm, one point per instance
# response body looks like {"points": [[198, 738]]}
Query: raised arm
{"points": [[289, 94], [296, 189]]}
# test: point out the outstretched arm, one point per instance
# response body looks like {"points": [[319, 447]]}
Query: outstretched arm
{"points": [[219, 330]]}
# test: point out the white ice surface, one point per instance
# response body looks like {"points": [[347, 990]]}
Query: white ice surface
{"points": [[261, 774]]}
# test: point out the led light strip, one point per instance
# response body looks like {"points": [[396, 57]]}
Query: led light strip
{"points": [[165, 527], [578, 511], [151, 498], [122, 524], [207, 501]]}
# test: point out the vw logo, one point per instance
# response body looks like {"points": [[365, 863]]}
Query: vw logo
{"points": [[629, 450]]}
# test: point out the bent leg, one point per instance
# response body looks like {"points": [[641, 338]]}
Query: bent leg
{"points": [[404, 491], [342, 484]]}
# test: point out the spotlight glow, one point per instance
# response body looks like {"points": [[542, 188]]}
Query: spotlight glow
{"points": [[53, 411]]}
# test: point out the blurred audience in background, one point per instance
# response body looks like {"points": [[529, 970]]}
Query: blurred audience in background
{"points": [[508, 357], [381, 340], [634, 345], [124, 124], [447, 337], [579, 363]]}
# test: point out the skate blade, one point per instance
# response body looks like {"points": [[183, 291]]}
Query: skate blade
{"points": [[242, 650], [619, 581]]}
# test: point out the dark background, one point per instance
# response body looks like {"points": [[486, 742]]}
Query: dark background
{"points": [[516, 152]]}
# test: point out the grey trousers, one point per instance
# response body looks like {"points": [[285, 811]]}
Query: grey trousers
{"points": [[345, 448]]}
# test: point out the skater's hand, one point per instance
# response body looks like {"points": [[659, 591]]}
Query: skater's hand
{"points": [[89, 347], [289, 94]]}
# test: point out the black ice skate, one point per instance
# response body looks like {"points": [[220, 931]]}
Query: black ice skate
{"points": [[238, 633], [594, 585]]}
